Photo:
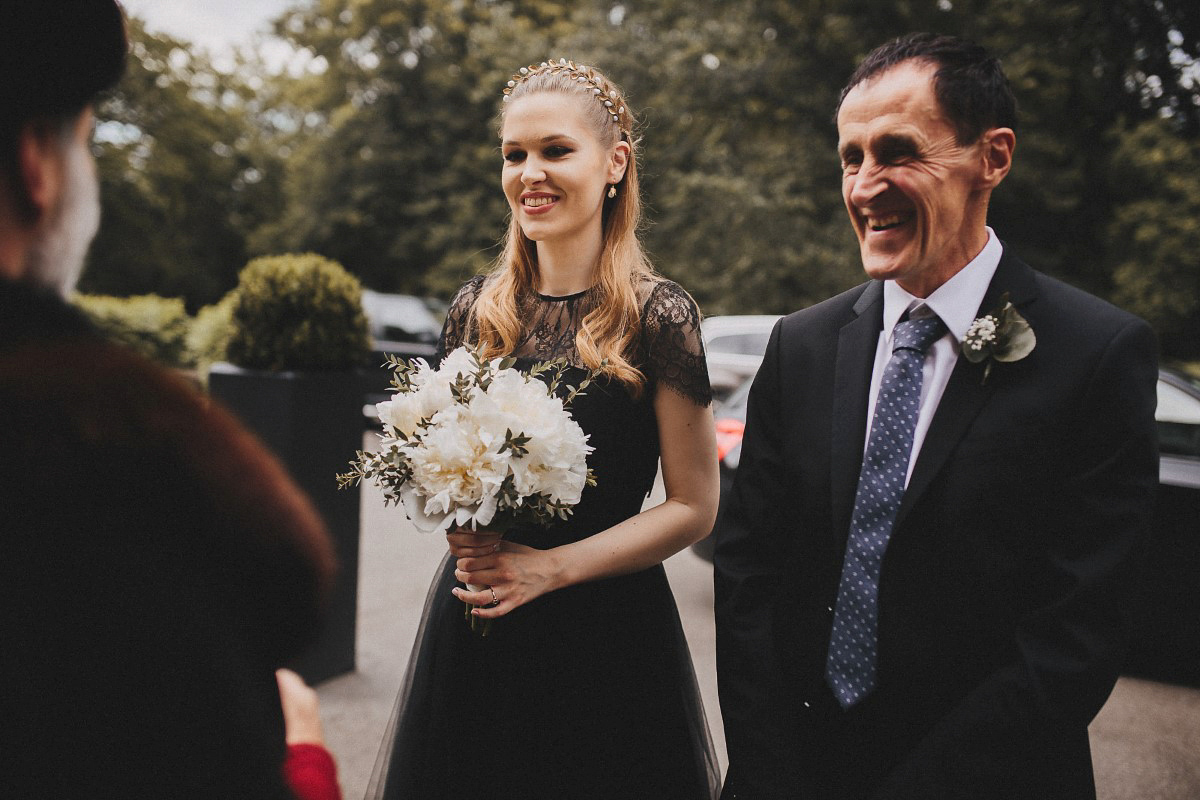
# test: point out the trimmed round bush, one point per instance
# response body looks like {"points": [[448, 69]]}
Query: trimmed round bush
{"points": [[156, 327], [208, 338], [298, 312]]}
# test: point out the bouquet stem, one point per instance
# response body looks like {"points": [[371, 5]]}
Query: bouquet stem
{"points": [[481, 627]]}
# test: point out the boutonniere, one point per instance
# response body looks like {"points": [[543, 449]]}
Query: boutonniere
{"points": [[1003, 335]]}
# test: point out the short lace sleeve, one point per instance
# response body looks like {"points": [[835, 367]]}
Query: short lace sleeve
{"points": [[674, 348], [455, 329]]}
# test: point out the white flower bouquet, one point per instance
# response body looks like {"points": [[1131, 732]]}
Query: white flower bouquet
{"points": [[477, 444]]}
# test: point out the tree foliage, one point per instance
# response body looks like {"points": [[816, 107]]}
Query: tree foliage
{"points": [[1153, 239], [383, 153], [184, 175]]}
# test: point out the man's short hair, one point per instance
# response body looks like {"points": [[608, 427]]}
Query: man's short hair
{"points": [[55, 57], [968, 82]]}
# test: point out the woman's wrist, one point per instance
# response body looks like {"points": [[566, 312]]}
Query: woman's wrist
{"points": [[559, 571]]}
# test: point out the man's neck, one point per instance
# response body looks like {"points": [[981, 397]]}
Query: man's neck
{"points": [[15, 238]]}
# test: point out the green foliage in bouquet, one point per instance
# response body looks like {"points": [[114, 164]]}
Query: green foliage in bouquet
{"points": [[298, 312], [157, 327]]}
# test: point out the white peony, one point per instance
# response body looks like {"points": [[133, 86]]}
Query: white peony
{"points": [[404, 412], [437, 382], [555, 464], [458, 467]]}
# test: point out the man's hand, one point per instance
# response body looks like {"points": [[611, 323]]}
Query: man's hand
{"points": [[301, 712]]}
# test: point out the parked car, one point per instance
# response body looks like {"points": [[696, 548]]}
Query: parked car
{"points": [[734, 347], [1166, 610], [399, 318]]}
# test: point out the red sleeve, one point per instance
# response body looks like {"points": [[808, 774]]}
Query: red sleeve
{"points": [[311, 773]]}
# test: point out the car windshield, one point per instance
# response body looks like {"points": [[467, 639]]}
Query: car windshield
{"points": [[1176, 405], [751, 344], [399, 317], [1178, 416]]}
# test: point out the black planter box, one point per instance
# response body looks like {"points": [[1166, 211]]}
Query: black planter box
{"points": [[312, 421]]}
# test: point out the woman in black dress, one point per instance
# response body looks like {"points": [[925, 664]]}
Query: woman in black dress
{"points": [[584, 686]]}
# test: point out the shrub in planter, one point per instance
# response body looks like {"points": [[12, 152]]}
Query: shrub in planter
{"points": [[208, 338], [157, 327], [298, 312]]}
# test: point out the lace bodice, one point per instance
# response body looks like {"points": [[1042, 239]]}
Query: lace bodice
{"points": [[670, 349]]}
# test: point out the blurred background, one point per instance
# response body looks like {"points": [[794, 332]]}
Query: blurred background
{"points": [[364, 130]]}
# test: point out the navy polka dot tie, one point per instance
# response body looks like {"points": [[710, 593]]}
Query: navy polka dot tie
{"points": [[850, 666]]}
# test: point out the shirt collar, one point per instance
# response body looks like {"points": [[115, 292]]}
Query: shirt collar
{"points": [[956, 301]]}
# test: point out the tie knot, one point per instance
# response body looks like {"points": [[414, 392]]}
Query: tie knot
{"points": [[917, 334]]}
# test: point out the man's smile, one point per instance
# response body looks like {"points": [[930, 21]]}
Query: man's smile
{"points": [[888, 221]]}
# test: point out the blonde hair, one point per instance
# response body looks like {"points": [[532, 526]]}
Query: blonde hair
{"points": [[608, 333]]}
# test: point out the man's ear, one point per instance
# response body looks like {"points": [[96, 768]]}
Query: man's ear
{"points": [[39, 168], [997, 153]]}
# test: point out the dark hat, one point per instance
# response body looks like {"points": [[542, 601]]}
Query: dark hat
{"points": [[57, 55]]}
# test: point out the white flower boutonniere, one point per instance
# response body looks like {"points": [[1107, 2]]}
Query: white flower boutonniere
{"points": [[1003, 335]]}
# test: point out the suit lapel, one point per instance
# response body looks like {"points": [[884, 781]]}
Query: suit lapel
{"points": [[965, 394], [857, 343]]}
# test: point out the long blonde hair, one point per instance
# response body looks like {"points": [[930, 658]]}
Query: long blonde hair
{"points": [[609, 332]]}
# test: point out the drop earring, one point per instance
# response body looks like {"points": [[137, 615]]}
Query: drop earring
{"points": [[612, 191]]}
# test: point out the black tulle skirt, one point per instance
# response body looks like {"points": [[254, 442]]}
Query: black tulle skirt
{"points": [[588, 692]]}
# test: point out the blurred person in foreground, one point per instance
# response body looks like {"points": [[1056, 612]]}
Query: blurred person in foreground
{"points": [[156, 564], [923, 571]]}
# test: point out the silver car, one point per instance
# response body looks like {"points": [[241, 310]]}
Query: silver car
{"points": [[734, 347]]}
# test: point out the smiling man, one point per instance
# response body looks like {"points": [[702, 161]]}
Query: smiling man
{"points": [[921, 573]]}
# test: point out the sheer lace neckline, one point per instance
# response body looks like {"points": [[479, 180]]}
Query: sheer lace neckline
{"points": [[669, 348], [559, 298]]}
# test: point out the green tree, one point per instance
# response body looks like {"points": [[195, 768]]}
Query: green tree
{"points": [[1153, 240], [392, 164], [742, 180], [183, 175]]}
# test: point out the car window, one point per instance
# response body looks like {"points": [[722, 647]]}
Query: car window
{"points": [[398, 317], [751, 344], [1178, 416]]}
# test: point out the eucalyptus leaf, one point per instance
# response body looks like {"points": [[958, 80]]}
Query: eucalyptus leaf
{"points": [[1018, 340]]}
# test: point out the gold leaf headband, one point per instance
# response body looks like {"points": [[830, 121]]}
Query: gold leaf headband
{"points": [[585, 76]]}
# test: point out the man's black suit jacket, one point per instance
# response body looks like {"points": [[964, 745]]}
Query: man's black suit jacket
{"points": [[1003, 591]]}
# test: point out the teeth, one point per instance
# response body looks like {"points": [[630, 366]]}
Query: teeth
{"points": [[879, 223], [539, 201]]}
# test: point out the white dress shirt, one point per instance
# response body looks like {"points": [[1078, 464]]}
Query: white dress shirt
{"points": [[957, 303]]}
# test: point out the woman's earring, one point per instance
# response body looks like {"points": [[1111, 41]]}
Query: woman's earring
{"points": [[612, 191]]}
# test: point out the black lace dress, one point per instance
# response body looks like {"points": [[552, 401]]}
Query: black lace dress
{"points": [[589, 691]]}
